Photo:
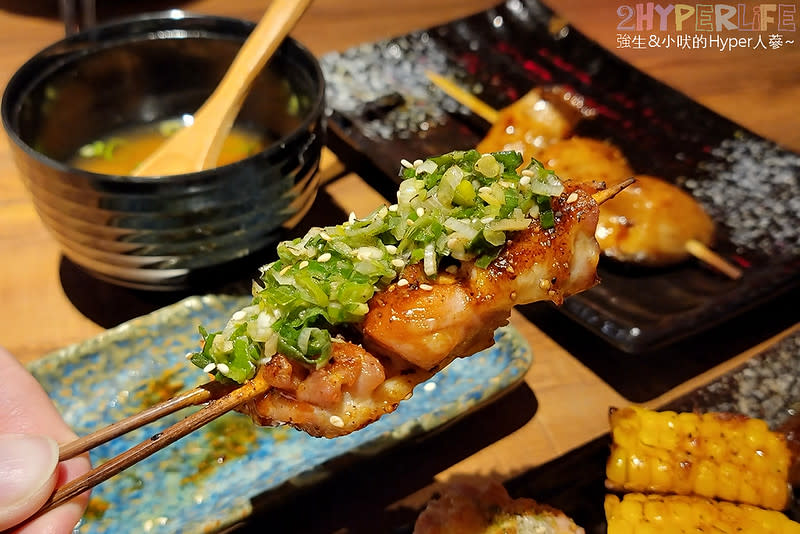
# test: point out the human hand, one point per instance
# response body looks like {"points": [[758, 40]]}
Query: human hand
{"points": [[30, 431]]}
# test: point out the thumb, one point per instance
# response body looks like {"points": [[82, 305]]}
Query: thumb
{"points": [[27, 475]]}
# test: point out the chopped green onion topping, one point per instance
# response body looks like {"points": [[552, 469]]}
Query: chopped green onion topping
{"points": [[458, 205], [101, 149]]}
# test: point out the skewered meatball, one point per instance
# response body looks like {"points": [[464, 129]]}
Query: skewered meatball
{"points": [[583, 159], [651, 222]]}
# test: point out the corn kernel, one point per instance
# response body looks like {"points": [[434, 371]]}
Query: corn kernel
{"points": [[616, 467], [661, 477], [630, 510], [775, 493], [729, 476], [638, 473]]}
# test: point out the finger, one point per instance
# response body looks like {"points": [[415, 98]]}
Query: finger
{"points": [[63, 519], [27, 475], [26, 408]]}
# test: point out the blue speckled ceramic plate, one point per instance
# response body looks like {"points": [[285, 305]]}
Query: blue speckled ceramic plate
{"points": [[206, 481]]}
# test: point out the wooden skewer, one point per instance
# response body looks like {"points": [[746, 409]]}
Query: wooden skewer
{"points": [[608, 193], [693, 247], [473, 103], [705, 254], [214, 409], [193, 397]]}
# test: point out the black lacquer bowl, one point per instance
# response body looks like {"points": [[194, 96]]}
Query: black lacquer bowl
{"points": [[384, 108], [163, 233]]}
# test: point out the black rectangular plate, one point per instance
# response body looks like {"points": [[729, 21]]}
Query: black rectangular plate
{"points": [[383, 109], [766, 386]]}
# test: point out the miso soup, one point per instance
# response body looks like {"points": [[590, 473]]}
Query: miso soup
{"points": [[121, 151]]}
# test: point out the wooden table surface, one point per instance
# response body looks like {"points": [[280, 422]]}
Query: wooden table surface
{"points": [[758, 89]]}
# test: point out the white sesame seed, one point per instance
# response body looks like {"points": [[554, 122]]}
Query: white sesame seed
{"points": [[324, 257], [397, 262], [188, 356], [426, 287], [572, 197], [402, 282], [325, 236], [303, 264], [238, 316], [285, 269], [525, 180], [224, 369], [409, 222], [391, 249], [452, 269], [337, 421], [407, 164], [210, 367], [429, 386], [420, 211], [527, 172], [393, 208], [485, 189]]}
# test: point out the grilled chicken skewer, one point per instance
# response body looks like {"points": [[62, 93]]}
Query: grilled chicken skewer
{"points": [[535, 241], [417, 325], [442, 298], [641, 225]]}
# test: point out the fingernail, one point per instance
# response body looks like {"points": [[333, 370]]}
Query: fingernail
{"points": [[27, 463]]}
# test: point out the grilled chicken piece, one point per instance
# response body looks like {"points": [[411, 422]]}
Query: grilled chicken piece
{"points": [[415, 328], [354, 389], [429, 323]]}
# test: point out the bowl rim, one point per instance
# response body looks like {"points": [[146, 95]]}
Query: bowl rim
{"points": [[316, 111]]}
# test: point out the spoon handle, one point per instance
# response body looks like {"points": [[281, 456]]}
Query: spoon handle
{"points": [[227, 99], [198, 146]]}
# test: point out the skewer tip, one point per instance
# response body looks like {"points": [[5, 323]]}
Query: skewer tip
{"points": [[610, 192], [706, 255]]}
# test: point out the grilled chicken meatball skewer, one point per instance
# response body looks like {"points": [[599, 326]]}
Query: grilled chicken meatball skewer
{"points": [[653, 224]]}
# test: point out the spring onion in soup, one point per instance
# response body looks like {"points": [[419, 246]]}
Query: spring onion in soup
{"points": [[121, 151]]}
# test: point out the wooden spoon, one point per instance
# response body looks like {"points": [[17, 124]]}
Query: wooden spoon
{"points": [[198, 146]]}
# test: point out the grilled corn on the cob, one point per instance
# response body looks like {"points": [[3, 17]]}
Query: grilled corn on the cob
{"points": [[725, 456], [675, 514]]}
